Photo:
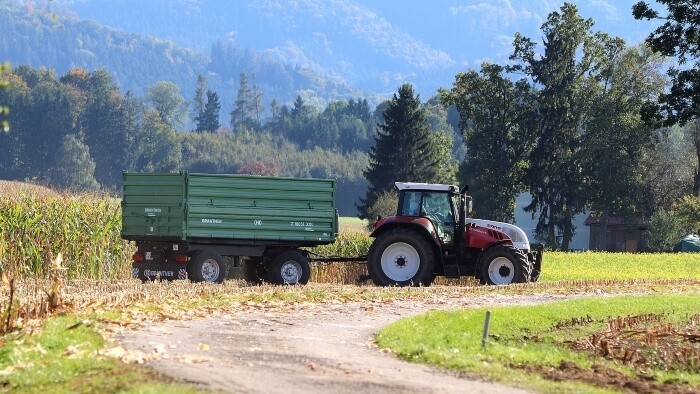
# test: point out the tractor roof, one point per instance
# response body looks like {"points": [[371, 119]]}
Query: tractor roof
{"points": [[425, 186]]}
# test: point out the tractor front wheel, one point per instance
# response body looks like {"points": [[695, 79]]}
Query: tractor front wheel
{"points": [[503, 265], [401, 257]]}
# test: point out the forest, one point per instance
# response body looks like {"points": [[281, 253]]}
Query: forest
{"points": [[582, 122]]}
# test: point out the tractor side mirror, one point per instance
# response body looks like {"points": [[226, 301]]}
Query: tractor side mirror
{"points": [[469, 205]]}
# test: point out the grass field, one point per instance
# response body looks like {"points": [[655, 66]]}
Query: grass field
{"points": [[643, 343]]}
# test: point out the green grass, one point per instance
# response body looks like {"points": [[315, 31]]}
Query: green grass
{"points": [[63, 358], [524, 337]]}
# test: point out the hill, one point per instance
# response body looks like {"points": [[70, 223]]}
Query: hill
{"points": [[60, 41]]}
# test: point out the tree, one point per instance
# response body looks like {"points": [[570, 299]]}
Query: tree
{"points": [[385, 205], [109, 128], [555, 176], [267, 167], [51, 119], [687, 210], [616, 137], [280, 121], [248, 106], [158, 146], [677, 37], [664, 231], [198, 101], [403, 149], [495, 121], [165, 97], [302, 116], [73, 169], [667, 168], [208, 119]]}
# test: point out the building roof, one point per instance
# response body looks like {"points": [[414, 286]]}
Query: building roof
{"points": [[594, 219]]}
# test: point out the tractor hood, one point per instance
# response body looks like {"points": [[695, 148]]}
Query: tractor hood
{"points": [[516, 234]]}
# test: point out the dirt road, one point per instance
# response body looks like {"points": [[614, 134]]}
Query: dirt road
{"points": [[309, 348]]}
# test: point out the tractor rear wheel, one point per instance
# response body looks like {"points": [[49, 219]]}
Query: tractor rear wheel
{"points": [[503, 265], [401, 257]]}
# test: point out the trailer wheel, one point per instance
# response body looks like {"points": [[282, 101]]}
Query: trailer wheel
{"points": [[503, 265], [401, 257], [290, 268], [207, 266]]}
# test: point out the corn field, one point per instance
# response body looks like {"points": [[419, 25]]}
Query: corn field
{"points": [[36, 226]]}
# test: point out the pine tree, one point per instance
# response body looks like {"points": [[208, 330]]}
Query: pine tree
{"points": [[208, 119], [404, 150], [198, 101], [248, 106]]}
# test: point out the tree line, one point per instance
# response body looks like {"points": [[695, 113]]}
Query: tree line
{"points": [[79, 132]]}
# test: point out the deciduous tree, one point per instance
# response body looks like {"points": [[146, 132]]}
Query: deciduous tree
{"points": [[495, 121], [165, 97], [679, 37], [74, 168], [616, 138]]}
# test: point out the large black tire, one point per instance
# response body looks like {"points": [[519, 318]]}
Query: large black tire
{"points": [[503, 265], [290, 268], [401, 257], [207, 266]]}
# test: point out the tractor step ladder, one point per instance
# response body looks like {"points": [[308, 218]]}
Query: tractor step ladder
{"points": [[450, 267]]}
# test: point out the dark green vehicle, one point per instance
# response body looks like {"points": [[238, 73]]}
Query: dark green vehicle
{"points": [[184, 224]]}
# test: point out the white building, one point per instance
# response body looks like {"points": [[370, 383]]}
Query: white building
{"points": [[525, 221]]}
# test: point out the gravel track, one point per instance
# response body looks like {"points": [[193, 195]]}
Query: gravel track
{"points": [[307, 348]]}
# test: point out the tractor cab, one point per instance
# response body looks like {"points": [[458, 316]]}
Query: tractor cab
{"points": [[436, 202]]}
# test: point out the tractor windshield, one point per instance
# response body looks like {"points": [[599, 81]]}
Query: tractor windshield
{"points": [[438, 207]]}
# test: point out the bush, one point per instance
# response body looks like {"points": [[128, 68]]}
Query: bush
{"points": [[384, 206], [687, 211], [664, 231]]}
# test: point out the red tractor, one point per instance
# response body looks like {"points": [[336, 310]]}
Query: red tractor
{"points": [[431, 235]]}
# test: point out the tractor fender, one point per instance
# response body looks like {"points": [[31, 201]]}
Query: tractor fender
{"points": [[421, 224]]}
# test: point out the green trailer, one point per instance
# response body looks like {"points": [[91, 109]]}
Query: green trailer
{"points": [[184, 224]]}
